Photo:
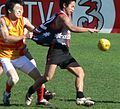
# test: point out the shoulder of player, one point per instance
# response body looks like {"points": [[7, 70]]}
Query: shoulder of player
{"points": [[2, 21], [28, 24], [25, 20], [62, 17]]}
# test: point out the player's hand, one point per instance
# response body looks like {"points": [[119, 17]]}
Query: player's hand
{"points": [[93, 30], [29, 35]]}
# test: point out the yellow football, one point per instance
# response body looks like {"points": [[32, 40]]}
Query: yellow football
{"points": [[104, 44]]}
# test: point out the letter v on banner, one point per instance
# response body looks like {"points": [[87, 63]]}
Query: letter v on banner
{"points": [[38, 11], [42, 12]]}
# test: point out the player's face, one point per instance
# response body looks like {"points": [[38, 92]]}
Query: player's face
{"points": [[70, 8], [18, 10]]}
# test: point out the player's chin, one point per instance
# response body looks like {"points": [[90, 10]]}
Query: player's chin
{"points": [[71, 12], [18, 16]]}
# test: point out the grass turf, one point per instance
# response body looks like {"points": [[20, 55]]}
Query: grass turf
{"points": [[102, 75]]}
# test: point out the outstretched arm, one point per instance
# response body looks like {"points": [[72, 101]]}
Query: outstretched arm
{"points": [[68, 23]]}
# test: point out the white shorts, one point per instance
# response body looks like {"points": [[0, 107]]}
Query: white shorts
{"points": [[22, 63]]}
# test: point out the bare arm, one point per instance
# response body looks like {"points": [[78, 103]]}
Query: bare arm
{"points": [[5, 34], [28, 25], [67, 22]]}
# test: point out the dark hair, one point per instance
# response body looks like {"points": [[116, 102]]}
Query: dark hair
{"points": [[67, 2], [10, 5]]}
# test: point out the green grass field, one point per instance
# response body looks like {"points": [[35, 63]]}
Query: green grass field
{"points": [[102, 80]]}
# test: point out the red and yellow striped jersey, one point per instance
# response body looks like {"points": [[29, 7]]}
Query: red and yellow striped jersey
{"points": [[13, 50]]}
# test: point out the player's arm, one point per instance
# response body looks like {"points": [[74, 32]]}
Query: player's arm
{"points": [[5, 34], [28, 25], [68, 23]]}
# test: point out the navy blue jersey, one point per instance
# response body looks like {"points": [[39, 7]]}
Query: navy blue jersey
{"points": [[44, 35], [47, 33]]}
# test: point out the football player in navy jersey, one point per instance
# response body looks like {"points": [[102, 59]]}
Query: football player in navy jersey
{"points": [[58, 53]]}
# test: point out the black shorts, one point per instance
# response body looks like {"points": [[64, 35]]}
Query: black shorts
{"points": [[28, 54], [60, 56]]}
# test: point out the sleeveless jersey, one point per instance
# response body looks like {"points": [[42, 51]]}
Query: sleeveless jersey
{"points": [[13, 50], [47, 32], [63, 37]]}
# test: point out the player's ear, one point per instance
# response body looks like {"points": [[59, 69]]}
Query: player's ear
{"points": [[9, 11], [64, 5]]}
